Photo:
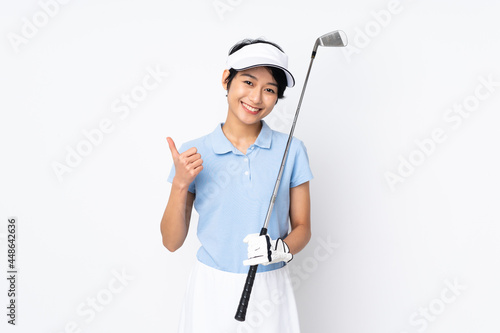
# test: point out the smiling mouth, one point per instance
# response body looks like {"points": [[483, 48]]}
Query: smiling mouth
{"points": [[250, 109]]}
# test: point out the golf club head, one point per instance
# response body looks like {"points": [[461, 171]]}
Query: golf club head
{"points": [[336, 38]]}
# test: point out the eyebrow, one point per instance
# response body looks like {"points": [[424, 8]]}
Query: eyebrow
{"points": [[253, 77]]}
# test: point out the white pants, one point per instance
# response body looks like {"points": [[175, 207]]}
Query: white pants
{"points": [[212, 298]]}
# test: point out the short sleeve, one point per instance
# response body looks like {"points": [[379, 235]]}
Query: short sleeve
{"points": [[301, 172], [172, 172]]}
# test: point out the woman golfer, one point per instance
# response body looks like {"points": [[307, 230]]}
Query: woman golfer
{"points": [[229, 176]]}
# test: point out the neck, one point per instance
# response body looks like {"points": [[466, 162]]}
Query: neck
{"points": [[240, 133]]}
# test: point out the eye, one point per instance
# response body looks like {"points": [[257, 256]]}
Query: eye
{"points": [[270, 90], [248, 82]]}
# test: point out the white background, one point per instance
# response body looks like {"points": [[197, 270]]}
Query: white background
{"points": [[364, 108]]}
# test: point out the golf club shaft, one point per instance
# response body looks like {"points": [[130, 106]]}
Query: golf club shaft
{"points": [[282, 167], [247, 289]]}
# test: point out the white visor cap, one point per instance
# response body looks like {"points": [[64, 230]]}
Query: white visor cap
{"points": [[260, 54]]}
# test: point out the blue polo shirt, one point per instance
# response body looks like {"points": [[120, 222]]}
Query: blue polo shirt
{"points": [[233, 191]]}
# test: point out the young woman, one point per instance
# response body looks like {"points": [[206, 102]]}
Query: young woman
{"points": [[229, 176]]}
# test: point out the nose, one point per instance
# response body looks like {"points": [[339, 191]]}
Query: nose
{"points": [[255, 96]]}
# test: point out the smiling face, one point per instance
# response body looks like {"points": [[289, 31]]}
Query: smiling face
{"points": [[252, 95]]}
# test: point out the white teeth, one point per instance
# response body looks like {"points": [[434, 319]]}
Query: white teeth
{"points": [[250, 108]]}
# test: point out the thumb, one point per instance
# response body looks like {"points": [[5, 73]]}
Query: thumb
{"points": [[172, 147]]}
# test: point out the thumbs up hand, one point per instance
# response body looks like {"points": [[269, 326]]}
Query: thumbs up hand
{"points": [[187, 165]]}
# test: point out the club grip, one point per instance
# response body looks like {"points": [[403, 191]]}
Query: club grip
{"points": [[247, 289], [245, 295]]}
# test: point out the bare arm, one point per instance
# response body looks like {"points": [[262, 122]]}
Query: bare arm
{"points": [[300, 218], [175, 221], [174, 224]]}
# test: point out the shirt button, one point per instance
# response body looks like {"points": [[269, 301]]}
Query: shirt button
{"points": [[246, 159], [246, 173]]}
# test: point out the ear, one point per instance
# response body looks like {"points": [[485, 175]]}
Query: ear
{"points": [[225, 76]]}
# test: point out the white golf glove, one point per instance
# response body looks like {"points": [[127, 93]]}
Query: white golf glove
{"points": [[263, 250]]}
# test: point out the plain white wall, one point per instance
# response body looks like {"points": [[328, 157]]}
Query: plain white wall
{"points": [[418, 255]]}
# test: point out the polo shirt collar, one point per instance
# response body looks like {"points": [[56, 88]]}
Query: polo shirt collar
{"points": [[222, 145]]}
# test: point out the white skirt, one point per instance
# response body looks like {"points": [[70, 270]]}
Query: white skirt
{"points": [[212, 298]]}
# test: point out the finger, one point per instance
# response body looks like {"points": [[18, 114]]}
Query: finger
{"points": [[192, 158], [189, 152], [173, 148], [192, 166], [249, 237], [198, 169], [254, 261], [196, 163]]}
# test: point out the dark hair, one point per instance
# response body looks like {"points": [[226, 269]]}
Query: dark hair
{"points": [[278, 74]]}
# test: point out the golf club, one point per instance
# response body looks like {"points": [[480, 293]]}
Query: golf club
{"points": [[332, 39]]}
